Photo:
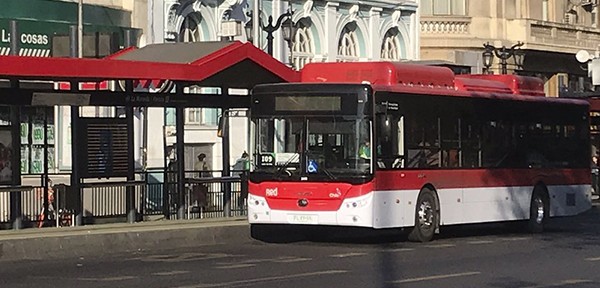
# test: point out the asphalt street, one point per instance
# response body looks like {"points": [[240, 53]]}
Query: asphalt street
{"points": [[496, 255]]}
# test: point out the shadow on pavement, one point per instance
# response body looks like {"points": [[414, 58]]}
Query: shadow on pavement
{"points": [[586, 226]]}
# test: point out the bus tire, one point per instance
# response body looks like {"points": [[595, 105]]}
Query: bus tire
{"points": [[539, 210], [426, 217]]}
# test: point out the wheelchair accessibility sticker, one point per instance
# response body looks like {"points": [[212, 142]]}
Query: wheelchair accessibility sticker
{"points": [[312, 166]]}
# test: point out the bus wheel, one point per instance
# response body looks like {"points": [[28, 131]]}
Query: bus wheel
{"points": [[538, 211], [426, 217]]}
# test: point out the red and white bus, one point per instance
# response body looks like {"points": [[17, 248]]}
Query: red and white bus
{"points": [[388, 145]]}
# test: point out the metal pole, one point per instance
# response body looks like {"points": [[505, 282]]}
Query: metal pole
{"points": [[75, 180], [130, 198], [270, 42], [14, 38], [80, 29], [15, 119], [226, 171], [503, 56], [15, 196], [180, 158]]}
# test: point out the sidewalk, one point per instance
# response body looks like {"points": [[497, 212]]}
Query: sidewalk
{"points": [[51, 242]]}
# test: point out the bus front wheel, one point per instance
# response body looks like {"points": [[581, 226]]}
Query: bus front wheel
{"points": [[426, 217], [539, 211]]}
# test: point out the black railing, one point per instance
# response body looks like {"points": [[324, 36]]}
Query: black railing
{"points": [[156, 196]]}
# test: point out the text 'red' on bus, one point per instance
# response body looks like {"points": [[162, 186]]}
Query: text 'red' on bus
{"points": [[391, 145]]}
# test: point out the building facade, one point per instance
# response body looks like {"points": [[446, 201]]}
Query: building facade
{"points": [[552, 31], [324, 31]]}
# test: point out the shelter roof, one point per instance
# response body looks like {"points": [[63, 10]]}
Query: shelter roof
{"points": [[215, 64]]}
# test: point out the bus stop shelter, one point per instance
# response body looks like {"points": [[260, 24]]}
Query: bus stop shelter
{"points": [[99, 150]]}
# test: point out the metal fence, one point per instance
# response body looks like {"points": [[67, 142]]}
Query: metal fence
{"points": [[155, 195]]}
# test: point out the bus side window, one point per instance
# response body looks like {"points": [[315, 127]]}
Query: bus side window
{"points": [[399, 161]]}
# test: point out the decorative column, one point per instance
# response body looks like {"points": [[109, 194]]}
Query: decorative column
{"points": [[375, 34], [331, 32]]}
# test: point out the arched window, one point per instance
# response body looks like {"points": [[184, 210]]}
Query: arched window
{"points": [[348, 44], [390, 47], [190, 31], [302, 45], [190, 28]]}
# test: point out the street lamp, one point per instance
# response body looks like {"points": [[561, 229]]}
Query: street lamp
{"points": [[503, 54], [287, 27]]}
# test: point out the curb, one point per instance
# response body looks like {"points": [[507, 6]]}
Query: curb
{"points": [[102, 241]]}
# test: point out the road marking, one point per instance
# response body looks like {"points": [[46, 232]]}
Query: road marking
{"points": [[481, 242], [291, 260], [107, 279], [399, 250], [435, 277], [235, 266], [440, 246], [562, 283], [516, 238], [185, 257], [264, 279], [351, 254], [170, 273], [593, 259]]}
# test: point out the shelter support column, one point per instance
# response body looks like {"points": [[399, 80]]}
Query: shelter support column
{"points": [[179, 149], [15, 196], [226, 171], [130, 198], [15, 120], [75, 178]]}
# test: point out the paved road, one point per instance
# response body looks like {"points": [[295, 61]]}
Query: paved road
{"points": [[568, 255]]}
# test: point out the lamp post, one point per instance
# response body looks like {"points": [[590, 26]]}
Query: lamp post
{"points": [[287, 27], [503, 53], [80, 28]]}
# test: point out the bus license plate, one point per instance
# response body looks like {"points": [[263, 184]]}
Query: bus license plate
{"points": [[302, 219]]}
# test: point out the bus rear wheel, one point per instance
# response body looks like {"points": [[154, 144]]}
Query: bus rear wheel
{"points": [[539, 211], [426, 217]]}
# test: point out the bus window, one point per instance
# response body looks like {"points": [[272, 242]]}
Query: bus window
{"points": [[390, 141], [422, 142], [399, 162]]}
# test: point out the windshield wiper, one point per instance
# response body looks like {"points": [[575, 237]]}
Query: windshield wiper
{"points": [[285, 166]]}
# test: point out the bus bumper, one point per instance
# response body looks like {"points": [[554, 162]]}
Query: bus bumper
{"points": [[355, 212]]}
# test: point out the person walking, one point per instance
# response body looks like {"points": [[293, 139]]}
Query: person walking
{"points": [[201, 166], [200, 190], [240, 168], [50, 202]]}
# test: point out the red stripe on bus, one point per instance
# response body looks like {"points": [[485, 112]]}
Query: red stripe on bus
{"points": [[329, 196]]}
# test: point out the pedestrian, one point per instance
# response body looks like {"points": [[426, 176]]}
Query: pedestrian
{"points": [[241, 165], [595, 174], [200, 190], [49, 201], [201, 166], [240, 168]]}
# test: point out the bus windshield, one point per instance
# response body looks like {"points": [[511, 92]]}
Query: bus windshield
{"points": [[318, 147]]}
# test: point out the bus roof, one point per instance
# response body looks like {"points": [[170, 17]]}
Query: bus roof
{"points": [[383, 74]]}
